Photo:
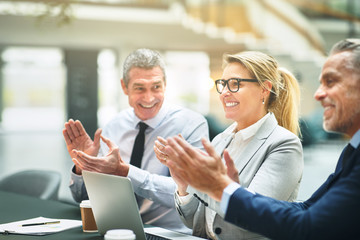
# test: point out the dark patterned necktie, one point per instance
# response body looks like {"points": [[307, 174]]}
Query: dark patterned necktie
{"points": [[138, 149], [347, 153]]}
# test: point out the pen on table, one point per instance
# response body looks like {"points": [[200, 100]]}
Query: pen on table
{"points": [[43, 223]]}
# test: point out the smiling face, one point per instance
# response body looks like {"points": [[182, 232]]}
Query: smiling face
{"points": [[339, 94], [145, 90], [244, 106]]}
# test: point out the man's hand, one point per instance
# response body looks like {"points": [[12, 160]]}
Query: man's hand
{"points": [[76, 138], [110, 164], [204, 172]]}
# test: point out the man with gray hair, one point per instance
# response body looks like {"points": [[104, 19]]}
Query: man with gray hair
{"points": [[118, 153]]}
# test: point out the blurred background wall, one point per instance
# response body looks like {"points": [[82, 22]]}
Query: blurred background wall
{"points": [[63, 59]]}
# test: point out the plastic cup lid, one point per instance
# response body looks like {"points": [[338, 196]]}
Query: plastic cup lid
{"points": [[85, 204], [119, 234]]}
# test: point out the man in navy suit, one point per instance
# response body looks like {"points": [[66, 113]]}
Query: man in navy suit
{"points": [[333, 211]]}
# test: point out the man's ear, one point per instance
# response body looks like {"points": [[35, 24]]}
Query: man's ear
{"points": [[123, 86]]}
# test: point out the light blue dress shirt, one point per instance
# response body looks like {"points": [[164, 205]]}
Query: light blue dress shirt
{"points": [[355, 140], [152, 183]]}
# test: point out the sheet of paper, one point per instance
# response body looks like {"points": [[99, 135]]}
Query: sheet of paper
{"points": [[16, 227]]}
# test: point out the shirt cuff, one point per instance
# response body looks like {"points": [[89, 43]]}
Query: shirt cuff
{"points": [[182, 200], [137, 176], [75, 177], [228, 191]]}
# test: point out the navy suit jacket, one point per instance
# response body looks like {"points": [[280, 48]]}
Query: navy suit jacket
{"points": [[332, 212]]}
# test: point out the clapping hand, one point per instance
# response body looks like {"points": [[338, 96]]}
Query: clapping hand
{"points": [[159, 149], [205, 172], [109, 164], [76, 138]]}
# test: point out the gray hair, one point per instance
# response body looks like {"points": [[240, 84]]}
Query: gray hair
{"points": [[350, 45], [142, 58]]}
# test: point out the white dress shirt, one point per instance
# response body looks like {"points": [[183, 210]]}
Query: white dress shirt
{"points": [[152, 183]]}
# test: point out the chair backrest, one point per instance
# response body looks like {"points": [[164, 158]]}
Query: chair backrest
{"points": [[43, 184]]}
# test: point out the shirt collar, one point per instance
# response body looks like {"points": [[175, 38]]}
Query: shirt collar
{"points": [[250, 131], [155, 121], [355, 140]]}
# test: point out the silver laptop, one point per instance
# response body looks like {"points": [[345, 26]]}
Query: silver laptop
{"points": [[115, 207]]}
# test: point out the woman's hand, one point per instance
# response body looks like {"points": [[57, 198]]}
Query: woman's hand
{"points": [[232, 172], [159, 148]]}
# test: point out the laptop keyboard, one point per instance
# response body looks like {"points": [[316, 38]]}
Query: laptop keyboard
{"points": [[150, 236]]}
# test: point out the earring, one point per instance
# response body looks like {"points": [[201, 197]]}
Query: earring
{"points": [[263, 102]]}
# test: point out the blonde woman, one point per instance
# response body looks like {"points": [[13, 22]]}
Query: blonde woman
{"points": [[262, 99]]}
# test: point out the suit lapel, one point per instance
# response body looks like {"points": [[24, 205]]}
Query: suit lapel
{"points": [[227, 136], [339, 171], [350, 161], [259, 139], [343, 170]]}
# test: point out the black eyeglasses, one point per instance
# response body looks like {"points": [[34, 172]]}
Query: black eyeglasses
{"points": [[232, 84]]}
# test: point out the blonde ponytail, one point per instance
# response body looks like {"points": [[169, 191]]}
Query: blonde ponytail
{"points": [[286, 105]]}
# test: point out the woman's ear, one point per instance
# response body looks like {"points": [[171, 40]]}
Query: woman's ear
{"points": [[267, 88]]}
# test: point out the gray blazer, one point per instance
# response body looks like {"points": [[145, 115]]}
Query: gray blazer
{"points": [[272, 165]]}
